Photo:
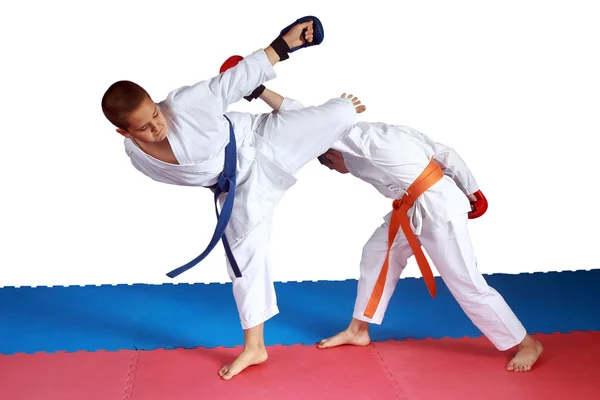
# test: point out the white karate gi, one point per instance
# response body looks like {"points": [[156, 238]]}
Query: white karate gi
{"points": [[391, 158], [271, 149]]}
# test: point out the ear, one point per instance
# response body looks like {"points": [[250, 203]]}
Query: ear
{"points": [[123, 132], [330, 157]]}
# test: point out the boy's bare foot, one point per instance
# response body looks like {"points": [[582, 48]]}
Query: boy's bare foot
{"points": [[355, 101], [529, 350], [357, 334], [254, 353], [249, 356]]}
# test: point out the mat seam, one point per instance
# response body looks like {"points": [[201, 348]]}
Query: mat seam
{"points": [[134, 360], [131, 372], [386, 371]]}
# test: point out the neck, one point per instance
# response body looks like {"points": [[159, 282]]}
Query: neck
{"points": [[161, 151]]}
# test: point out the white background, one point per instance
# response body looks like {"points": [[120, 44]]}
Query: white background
{"points": [[513, 86]]}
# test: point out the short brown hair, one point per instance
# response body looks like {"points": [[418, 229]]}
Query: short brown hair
{"points": [[323, 160], [120, 100]]}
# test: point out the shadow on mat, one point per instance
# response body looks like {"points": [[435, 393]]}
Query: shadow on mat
{"points": [[220, 356], [481, 348]]}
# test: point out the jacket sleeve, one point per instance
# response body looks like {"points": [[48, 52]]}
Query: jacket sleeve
{"points": [[235, 83], [198, 109], [454, 166], [290, 104]]}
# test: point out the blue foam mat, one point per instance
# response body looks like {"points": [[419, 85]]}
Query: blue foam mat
{"points": [[91, 318]]}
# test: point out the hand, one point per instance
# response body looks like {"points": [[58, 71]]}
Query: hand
{"points": [[294, 37], [479, 204], [355, 102]]}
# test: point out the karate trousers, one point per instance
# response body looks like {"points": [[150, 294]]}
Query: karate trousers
{"points": [[450, 249]]}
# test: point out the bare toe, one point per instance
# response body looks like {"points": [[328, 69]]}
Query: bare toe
{"points": [[527, 354], [224, 370]]}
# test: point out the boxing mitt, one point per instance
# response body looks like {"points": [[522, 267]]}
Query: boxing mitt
{"points": [[478, 207], [232, 62], [318, 33], [281, 47]]}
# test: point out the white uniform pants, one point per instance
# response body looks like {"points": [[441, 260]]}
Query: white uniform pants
{"points": [[450, 249], [297, 137]]}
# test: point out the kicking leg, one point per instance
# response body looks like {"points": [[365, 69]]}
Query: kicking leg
{"points": [[373, 257], [254, 295], [298, 136], [451, 250]]}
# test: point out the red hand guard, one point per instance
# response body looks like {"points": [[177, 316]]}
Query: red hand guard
{"points": [[479, 207]]}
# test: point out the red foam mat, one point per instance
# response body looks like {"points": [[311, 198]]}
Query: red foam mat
{"points": [[66, 376], [472, 369], [294, 373], [414, 369]]}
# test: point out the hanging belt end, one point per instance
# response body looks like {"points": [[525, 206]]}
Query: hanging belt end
{"points": [[175, 273], [433, 291]]}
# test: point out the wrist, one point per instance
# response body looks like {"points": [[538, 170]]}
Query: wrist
{"points": [[272, 56], [281, 47], [256, 93]]}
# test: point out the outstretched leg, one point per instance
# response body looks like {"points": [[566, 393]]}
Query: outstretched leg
{"points": [[451, 250], [294, 137], [373, 257]]}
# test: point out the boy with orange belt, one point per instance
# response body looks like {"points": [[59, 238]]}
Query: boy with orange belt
{"points": [[434, 194]]}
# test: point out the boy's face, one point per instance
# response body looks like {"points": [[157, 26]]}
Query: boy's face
{"points": [[146, 124], [334, 160]]}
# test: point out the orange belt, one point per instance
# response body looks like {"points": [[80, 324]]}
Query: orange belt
{"points": [[431, 175]]}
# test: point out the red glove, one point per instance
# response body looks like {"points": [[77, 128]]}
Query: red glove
{"points": [[232, 62], [478, 207]]}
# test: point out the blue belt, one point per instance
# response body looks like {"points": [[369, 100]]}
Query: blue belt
{"points": [[226, 184]]}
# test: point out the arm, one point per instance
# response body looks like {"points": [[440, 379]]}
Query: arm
{"points": [[232, 85], [454, 166], [238, 81], [279, 103], [273, 100]]}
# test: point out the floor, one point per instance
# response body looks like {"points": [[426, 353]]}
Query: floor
{"points": [[168, 342]]}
